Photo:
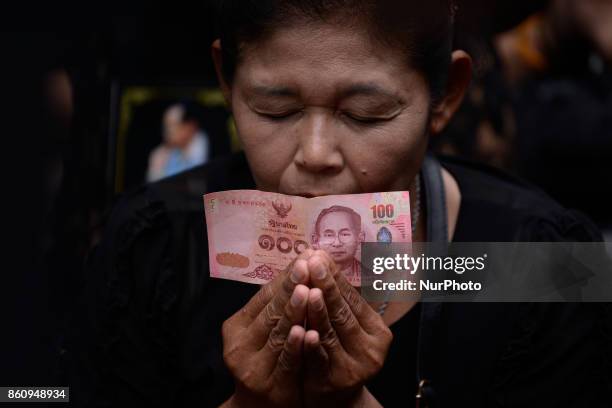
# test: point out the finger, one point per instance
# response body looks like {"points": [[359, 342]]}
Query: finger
{"points": [[256, 304], [315, 356], [368, 319], [289, 361], [344, 322], [318, 320], [295, 312], [261, 299], [270, 315], [311, 341]]}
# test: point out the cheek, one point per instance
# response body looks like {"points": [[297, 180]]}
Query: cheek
{"points": [[351, 247], [269, 147], [382, 159], [184, 134]]}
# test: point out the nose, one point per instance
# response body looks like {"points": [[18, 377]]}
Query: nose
{"points": [[318, 151], [337, 242]]}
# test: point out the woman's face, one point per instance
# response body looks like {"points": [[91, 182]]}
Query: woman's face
{"points": [[321, 110]]}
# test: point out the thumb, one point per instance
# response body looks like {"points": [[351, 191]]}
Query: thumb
{"points": [[289, 361], [315, 357]]}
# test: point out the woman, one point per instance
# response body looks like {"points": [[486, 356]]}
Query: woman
{"points": [[330, 97]]}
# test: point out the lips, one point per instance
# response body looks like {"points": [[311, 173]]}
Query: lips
{"points": [[307, 195], [317, 193], [338, 253]]}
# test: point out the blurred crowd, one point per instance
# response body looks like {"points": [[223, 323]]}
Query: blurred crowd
{"points": [[540, 107]]}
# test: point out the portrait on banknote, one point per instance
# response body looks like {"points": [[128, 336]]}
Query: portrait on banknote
{"points": [[338, 231]]}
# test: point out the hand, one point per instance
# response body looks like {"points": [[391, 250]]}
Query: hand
{"points": [[263, 342], [347, 341]]}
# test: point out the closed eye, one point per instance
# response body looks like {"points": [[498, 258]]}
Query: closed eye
{"points": [[366, 120], [277, 116]]}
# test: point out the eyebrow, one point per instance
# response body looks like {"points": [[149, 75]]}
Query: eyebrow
{"points": [[350, 229], [355, 89], [274, 91], [366, 89]]}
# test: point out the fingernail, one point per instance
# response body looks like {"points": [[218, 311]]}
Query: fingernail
{"points": [[320, 270], [296, 274], [318, 303], [297, 298], [293, 336]]}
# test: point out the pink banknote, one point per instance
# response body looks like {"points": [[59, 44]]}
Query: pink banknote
{"points": [[254, 235]]}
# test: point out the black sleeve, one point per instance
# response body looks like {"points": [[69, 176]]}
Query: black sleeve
{"points": [[147, 331], [561, 353], [122, 346]]}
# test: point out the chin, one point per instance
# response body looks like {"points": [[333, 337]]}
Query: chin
{"points": [[314, 192], [341, 259]]}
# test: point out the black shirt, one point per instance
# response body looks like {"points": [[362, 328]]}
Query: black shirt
{"points": [[148, 329]]}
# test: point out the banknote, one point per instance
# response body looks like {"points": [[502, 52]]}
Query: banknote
{"points": [[254, 235]]}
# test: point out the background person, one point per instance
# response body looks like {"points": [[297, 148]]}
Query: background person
{"points": [[186, 145]]}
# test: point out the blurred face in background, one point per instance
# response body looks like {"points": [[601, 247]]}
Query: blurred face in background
{"points": [[322, 109], [178, 133]]}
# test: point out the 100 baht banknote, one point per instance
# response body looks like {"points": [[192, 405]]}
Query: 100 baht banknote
{"points": [[254, 235]]}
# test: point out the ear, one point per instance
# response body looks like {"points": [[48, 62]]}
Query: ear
{"points": [[218, 61], [362, 236], [459, 79]]}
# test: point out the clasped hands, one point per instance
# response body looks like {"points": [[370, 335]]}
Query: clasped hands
{"points": [[307, 338]]}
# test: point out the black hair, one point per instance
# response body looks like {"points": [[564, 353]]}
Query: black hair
{"points": [[422, 29], [190, 111]]}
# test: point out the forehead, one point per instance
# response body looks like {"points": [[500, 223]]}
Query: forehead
{"points": [[318, 58], [335, 220], [173, 114]]}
